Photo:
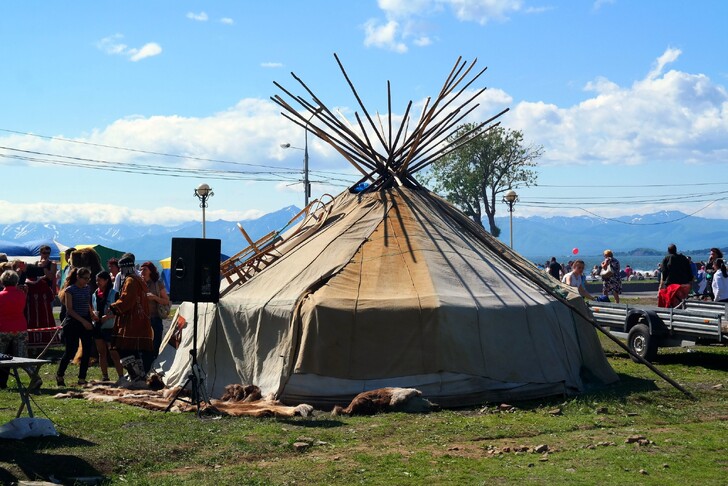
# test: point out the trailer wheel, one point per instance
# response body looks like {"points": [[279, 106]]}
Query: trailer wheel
{"points": [[640, 341]]}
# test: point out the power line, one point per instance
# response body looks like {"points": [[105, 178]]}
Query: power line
{"points": [[607, 199], [568, 186], [655, 200], [66, 160], [147, 152], [163, 154], [629, 223]]}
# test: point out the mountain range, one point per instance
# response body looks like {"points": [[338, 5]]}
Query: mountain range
{"points": [[559, 235], [533, 236], [148, 242]]}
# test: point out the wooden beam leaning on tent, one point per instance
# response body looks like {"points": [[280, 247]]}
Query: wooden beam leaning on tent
{"points": [[245, 263], [259, 254]]}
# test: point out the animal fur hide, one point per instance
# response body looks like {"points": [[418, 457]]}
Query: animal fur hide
{"points": [[238, 401], [372, 402]]}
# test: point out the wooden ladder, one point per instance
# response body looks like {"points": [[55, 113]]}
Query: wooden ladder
{"points": [[260, 254]]}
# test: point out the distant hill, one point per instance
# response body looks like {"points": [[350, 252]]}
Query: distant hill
{"points": [[536, 236], [647, 233], [148, 242]]}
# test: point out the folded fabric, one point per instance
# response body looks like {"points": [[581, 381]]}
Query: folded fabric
{"points": [[672, 295], [23, 427]]}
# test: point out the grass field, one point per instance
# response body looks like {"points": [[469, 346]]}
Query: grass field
{"points": [[593, 438]]}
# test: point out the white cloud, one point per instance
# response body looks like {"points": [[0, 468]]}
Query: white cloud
{"points": [[403, 19], [384, 36], [537, 10], [150, 49], [483, 11], [670, 117], [480, 11], [253, 128], [422, 41], [227, 21], [406, 8], [113, 45], [670, 55], [271, 64], [200, 17], [598, 4], [111, 214]]}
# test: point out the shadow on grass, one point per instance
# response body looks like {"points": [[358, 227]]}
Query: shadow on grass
{"points": [[714, 357], [713, 361], [28, 464], [620, 391], [626, 386]]}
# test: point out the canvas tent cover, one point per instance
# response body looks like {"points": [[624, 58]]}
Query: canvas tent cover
{"points": [[396, 289]]}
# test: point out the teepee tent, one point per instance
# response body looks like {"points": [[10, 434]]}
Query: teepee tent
{"points": [[395, 287]]}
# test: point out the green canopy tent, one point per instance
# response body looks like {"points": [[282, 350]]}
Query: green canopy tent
{"points": [[105, 253]]}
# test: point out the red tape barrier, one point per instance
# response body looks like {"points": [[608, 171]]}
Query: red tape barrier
{"points": [[41, 329]]}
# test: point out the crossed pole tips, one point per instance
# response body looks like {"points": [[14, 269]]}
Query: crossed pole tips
{"points": [[386, 155]]}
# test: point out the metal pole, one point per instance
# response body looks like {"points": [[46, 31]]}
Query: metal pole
{"points": [[306, 183], [203, 193], [511, 220], [306, 189], [204, 200]]}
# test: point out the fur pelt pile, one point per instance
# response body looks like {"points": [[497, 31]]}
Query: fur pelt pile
{"points": [[381, 400], [238, 401], [246, 400]]}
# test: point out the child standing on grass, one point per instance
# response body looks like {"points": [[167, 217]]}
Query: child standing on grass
{"points": [[101, 301], [77, 326]]}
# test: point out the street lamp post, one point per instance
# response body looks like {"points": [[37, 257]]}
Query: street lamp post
{"points": [[203, 193], [510, 198], [306, 184]]}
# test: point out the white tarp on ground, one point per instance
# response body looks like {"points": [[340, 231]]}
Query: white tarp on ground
{"points": [[395, 289]]}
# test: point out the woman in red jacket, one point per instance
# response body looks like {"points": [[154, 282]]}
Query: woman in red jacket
{"points": [[13, 326]]}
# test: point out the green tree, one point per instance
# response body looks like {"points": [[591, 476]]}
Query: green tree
{"points": [[474, 175]]}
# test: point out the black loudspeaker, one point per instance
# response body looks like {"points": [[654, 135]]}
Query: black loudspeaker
{"points": [[195, 270]]}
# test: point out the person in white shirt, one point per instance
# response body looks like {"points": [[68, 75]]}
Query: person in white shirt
{"points": [[720, 281], [576, 278]]}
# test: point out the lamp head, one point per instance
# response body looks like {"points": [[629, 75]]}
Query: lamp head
{"points": [[285, 145], [510, 197], [203, 190]]}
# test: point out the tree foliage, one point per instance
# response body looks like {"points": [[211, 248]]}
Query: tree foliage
{"points": [[474, 175]]}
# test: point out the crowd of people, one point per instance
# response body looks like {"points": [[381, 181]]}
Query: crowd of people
{"points": [[677, 274], [116, 313]]}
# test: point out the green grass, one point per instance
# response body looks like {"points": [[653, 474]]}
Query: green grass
{"points": [[586, 440]]}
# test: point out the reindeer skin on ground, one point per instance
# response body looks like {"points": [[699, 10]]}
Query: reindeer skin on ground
{"points": [[389, 399], [239, 401]]}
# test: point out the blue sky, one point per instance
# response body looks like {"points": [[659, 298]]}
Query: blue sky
{"points": [[628, 99]]}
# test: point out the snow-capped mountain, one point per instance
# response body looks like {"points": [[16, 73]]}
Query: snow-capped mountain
{"points": [[533, 236], [151, 242]]}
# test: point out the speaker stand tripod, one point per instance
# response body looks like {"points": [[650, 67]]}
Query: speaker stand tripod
{"points": [[195, 379]]}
